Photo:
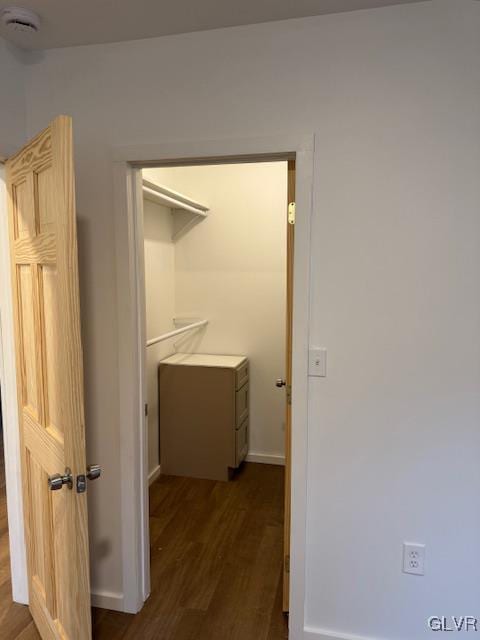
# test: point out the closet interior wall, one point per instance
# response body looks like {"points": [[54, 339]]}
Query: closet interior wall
{"points": [[159, 253]]}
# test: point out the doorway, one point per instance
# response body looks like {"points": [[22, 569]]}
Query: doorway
{"points": [[215, 255], [128, 162]]}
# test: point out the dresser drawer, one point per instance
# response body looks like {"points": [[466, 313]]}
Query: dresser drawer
{"points": [[241, 375], [241, 405], [241, 443]]}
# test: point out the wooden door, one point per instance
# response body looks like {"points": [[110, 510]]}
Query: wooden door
{"points": [[43, 246], [288, 380]]}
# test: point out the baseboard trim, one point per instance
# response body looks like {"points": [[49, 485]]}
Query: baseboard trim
{"points": [[153, 475], [311, 633], [266, 458], [108, 600]]}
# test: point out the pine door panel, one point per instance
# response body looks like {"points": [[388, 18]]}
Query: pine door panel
{"points": [[50, 380]]}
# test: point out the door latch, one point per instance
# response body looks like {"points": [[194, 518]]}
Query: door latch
{"points": [[291, 212], [94, 471], [280, 382]]}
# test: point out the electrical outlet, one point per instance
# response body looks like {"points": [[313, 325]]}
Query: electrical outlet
{"points": [[414, 558]]}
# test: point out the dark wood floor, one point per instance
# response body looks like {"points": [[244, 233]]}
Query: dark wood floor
{"points": [[216, 564]]}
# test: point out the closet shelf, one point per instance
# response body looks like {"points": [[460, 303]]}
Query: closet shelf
{"points": [[185, 211], [177, 332]]}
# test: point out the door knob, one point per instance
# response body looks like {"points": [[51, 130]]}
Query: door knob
{"points": [[57, 481], [280, 383], [94, 471]]}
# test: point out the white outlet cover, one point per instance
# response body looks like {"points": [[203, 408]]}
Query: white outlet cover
{"points": [[414, 558]]}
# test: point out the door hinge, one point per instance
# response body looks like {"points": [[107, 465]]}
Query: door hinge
{"points": [[289, 394], [146, 410], [287, 564], [291, 213]]}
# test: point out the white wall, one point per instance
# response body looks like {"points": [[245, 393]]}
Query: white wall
{"points": [[12, 99], [393, 97], [160, 308], [231, 269]]}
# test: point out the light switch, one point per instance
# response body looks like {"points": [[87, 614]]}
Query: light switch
{"points": [[317, 362]]}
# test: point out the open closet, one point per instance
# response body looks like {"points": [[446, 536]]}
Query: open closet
{"points": [[215, 255], [215, 285]]}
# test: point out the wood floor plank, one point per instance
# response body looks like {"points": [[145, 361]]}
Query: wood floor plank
{"points": [[188, 624], [278, 624], [110, 624], [242, 606]]}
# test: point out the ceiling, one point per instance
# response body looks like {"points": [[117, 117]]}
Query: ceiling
{"points": [[67, 23]]}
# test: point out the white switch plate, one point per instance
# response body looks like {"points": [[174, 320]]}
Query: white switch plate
{"points": [[414, 558], [317, 362]]}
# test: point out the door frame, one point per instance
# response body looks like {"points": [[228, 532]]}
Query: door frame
{"points": [[11, 434], [127, 164]]}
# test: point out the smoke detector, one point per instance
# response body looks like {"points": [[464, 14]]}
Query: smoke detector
{"points": [[19, 19]]}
